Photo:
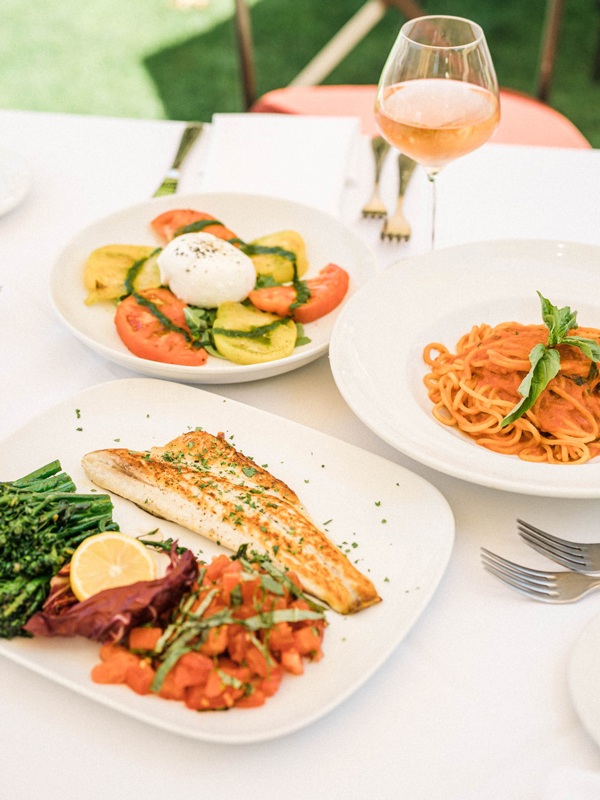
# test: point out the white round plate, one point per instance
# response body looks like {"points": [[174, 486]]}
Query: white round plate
{"points": [[376, 349], [584, 668], [250, 216], [15, 180]]}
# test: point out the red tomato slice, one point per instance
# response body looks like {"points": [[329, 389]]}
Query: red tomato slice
{"points": [[167, 224], [146, 337], [327, 290]]}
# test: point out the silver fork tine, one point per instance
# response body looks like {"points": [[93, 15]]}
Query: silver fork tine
{"points": [[562, 586], [528, 582], [553, 553], [573, 555], [374, 207], [520, 586], [564, 543], [517, 571]]}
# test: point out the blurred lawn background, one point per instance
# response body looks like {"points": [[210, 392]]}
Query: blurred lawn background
{"points": [[152, 59]]}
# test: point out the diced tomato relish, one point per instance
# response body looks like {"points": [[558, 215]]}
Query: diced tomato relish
{"points": [[252, 628]]}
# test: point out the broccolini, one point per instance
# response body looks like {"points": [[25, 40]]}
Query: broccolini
{"points": [[42, 520]]}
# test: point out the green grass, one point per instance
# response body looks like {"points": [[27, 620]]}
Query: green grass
{"points": [[146, 58]]}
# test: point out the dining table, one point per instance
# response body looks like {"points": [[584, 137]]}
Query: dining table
{"points": [[475, 701]]}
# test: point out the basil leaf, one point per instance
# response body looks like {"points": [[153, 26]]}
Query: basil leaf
{"points": [[588, 347], [559, 321], [545, 359], [301, 338], [545, 364], [265, 280], [199, 321]]}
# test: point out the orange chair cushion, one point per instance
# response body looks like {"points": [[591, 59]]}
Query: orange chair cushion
{"points": [[524, 120]]}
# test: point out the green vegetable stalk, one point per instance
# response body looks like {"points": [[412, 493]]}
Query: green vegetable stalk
{"points": [[42, 521]]}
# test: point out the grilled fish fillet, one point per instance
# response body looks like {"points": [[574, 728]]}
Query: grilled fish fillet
{"points": [[203, 483]]}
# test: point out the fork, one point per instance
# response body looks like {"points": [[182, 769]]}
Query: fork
{"points": [[547, 587], [577, 556], [188, 137], [374, 208], [397, 226]]}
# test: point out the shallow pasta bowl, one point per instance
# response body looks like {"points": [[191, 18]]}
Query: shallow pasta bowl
{"points": [[376, 350]]}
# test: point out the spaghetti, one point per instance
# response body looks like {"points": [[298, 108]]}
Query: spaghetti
{"points": [[474, 388]]}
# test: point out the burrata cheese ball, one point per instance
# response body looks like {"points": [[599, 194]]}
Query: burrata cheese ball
{"points": [[205, 271]]}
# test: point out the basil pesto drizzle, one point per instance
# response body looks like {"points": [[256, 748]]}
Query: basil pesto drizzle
{"points": [[132, 274], [198, 226], [302, 294], [134, 271], [301, 287], [253, 333], [265, 250]]}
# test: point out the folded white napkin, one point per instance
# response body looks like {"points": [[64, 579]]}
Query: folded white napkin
{"points": [[566, 783], [302, 158]]}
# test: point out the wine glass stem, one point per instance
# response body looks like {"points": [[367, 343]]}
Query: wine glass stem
{"points": [[432, 180]]}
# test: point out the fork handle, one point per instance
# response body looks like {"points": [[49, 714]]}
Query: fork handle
{"points": [[380, 151], [406, 167], [188, 137]]}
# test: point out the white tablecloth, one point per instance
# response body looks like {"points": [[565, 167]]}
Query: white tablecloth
{"points": [[475, 702]]}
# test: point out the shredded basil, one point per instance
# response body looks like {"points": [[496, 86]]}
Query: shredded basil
{"points": [[189, 629]]}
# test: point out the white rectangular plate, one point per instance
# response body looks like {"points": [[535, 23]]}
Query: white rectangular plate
{"points": [[396, 527]]}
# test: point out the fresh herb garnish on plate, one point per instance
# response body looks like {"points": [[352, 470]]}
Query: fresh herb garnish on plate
{"points": [[545, 358]]}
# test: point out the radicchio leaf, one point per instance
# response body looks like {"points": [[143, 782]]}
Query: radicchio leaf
{"points": [[109, 615]]}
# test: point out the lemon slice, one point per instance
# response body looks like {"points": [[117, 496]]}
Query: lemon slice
{"points": [[106, 560]]}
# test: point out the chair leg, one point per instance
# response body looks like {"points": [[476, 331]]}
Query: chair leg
{"points": [[596, 65], [243, 30], [408, 8], [552, 24]]}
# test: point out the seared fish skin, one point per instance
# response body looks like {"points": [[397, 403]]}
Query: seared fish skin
{"points": [[203, 483]]}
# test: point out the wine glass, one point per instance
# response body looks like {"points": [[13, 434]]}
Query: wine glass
{"points": [[437, 97]]}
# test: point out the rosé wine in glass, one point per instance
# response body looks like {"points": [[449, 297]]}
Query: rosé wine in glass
{"points": [[437, 98]]}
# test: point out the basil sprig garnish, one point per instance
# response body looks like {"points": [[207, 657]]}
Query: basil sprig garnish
{"points": [[545, 358]]}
